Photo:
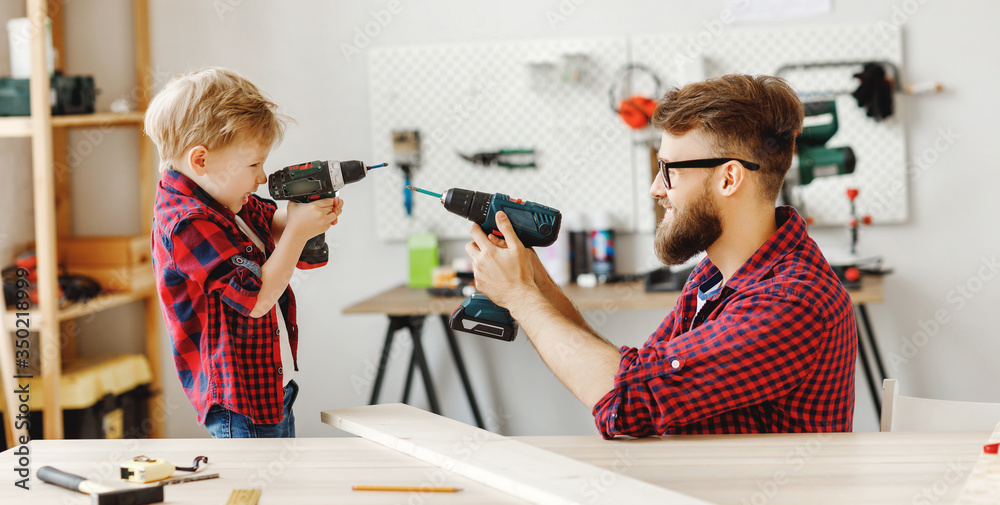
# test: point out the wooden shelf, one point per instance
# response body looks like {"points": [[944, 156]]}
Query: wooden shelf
{"points": [[13, 127], [20, 126], [53, 217], [94, 305]]}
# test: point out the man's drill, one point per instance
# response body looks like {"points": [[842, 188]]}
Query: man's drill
{"points": [[534, 224], [313, 181]]}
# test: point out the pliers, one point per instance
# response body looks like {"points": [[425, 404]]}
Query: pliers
{"points": [[502, 158]]}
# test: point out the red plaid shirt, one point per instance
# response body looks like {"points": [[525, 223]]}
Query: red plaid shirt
{"points": [[773, 351], [208, 278]]}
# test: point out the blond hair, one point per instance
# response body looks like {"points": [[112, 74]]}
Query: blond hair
{"points": [[211, 107]]}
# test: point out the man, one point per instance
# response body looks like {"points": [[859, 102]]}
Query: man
{"points": [[763, 337]]}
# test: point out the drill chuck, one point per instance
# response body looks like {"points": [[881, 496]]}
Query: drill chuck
{"points": [[352, 170], [472, 205]]}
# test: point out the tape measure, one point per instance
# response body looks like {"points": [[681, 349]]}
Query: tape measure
{"points": [[143, 470]]}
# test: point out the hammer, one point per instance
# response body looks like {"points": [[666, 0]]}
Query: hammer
{"points": [[99, 493]]}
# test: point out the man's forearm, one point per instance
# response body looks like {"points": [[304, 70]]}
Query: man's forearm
{"points": [[583, 361], [557, 298], [276, 272], [563, 304]]}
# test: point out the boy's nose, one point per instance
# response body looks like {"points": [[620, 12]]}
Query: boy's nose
{"points": [[261, 177]]}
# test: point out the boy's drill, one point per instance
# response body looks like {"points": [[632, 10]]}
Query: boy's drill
{"points": [[313, 181], [534, 224]]}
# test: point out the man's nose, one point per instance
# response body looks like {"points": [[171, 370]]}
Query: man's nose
{"points": [[658, 189]]}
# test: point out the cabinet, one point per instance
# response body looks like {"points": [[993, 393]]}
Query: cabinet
{"points": [[52, 215]]}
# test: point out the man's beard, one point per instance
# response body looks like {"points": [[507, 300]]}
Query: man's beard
{"points": [[689, 231]]}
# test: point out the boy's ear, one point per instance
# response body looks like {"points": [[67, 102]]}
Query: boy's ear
{"points": [[196, 157]]}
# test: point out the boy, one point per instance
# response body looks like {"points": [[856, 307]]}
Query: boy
{"points": [[223, 256]]}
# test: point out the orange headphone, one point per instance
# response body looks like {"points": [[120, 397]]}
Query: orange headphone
{"points": [[636, 110]]}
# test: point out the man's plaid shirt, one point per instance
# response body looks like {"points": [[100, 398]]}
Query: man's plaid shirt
{"points": [[773, 351], [208, 279]]}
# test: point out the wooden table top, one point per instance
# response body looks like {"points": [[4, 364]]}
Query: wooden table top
{"points": [[405, 301], [843, 468]]}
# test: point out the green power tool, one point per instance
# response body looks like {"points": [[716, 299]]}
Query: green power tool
{"points": [[815, 159]]}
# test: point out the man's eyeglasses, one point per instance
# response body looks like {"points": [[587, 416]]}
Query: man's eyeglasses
{"points": [[706, 163]]}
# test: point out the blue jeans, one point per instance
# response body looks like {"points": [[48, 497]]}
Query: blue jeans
{"points": [[224, 423]]}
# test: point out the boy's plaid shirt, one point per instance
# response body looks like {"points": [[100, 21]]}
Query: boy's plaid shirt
{"points": [[208, 279]]}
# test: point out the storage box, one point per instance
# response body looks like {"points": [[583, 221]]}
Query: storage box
{"points": [[423, 250], [120, 251], [102, 397], [71, 94]]}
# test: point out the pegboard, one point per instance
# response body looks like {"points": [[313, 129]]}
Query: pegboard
{"points": [[487, 96], [483, 97], [880, 173]]}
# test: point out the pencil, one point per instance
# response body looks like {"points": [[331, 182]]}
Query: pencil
{"points": [[415, 489]]}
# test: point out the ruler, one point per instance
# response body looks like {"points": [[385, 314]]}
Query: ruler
{"points": [[244, 497]]}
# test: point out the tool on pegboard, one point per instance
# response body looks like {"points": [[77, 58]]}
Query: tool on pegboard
{"points": [[635, 109], [406, 153], [504, 158], [876, 88]]}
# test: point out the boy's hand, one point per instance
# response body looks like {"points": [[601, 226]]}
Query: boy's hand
{"points": [[306, 220]]}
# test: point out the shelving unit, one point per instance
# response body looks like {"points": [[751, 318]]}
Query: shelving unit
{"points": [[52, 215]]}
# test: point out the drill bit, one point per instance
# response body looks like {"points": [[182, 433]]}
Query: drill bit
{"points": [[424, 191], [378, 166]]}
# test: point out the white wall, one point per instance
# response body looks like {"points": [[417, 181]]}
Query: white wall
{"points": [[292, 50]]}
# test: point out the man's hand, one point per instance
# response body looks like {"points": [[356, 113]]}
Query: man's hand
{"points": [[503, 268]]}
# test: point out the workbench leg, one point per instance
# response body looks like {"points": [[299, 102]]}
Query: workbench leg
{"points": [[395, 324], [409, 377], [421, 361], [414, 323], [460, 364], [875, 389], [863, 312]]}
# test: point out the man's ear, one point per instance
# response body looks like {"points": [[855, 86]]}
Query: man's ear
{"points": [[196, 157], [733, 178]]}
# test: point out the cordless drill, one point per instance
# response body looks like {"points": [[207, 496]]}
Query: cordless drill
{"points": [[313, 181], [534, 225]]}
